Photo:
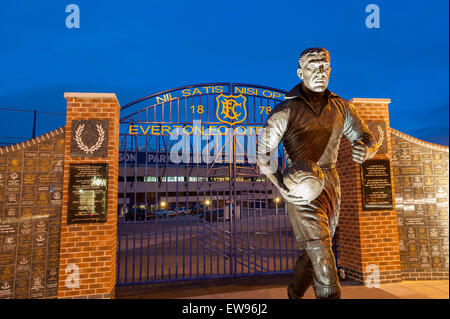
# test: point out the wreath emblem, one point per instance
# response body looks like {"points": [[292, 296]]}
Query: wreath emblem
{"points": [[381, 137], [84, 147]]}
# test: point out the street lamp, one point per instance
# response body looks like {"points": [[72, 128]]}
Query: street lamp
{"points": [[277, 200]]}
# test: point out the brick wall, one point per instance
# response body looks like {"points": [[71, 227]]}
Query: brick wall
{"points": [[366, 237], [91, 247]]}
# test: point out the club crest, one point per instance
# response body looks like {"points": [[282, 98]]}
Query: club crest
{"points": [[231, 109]]}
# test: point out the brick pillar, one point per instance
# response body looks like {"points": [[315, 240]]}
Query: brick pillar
{"points": [[367, 237], [91, 246]]}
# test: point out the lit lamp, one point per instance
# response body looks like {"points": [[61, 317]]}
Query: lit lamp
{"points": [[207, 202], [163, 204], [277, 200]]}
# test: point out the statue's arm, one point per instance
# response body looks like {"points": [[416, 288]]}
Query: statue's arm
{"points": [[267, 149], [364, 143]]}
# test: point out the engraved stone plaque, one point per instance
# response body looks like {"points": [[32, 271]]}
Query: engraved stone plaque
{"points": [[89, 138], [87, 193], [376, 185]]}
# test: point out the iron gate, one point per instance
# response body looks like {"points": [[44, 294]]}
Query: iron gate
{"points": [[207, 212]]}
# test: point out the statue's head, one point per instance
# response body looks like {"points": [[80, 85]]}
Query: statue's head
{"points": [[314, 68]]}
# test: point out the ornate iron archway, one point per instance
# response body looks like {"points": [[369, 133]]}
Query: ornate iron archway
{"points": [[192, 201]]}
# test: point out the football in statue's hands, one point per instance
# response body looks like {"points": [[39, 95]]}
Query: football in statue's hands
{"points": [[304, 179]]}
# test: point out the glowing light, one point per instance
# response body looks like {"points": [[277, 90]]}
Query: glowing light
{"points": [[163, 204], [207, 202], [277, 199], [98, 182]]}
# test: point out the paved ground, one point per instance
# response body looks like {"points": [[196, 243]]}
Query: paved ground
{"points": [[274, 287], [404, 290]]}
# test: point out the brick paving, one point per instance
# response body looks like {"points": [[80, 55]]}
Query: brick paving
{"points": [[274, 287]]}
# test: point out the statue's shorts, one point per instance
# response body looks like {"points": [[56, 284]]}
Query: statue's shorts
{"points": [[314, 225]]}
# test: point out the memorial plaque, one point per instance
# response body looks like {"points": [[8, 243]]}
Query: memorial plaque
{"points": [[53, 245], [59, 145], [40, 240], [53, 260], [13, 179], [406, 182], [410, 170], [46, 147], [376, 185], [27, 212], [43, 199], [54, 232], [29, 154], [52, 280], [395, 156], [22, 287], [426, 158], [428, 181], [15, 164], [8, 229], [29, 165], [89, 138], [6, 289], [427, 169], [48, 178], [415, 221], [6, 273], [29, 179], [442, 180], [415, 159], [403, 145], [56, 198], [12, 198], [6, 259], [87, 193], [45, 165], [23, 262]]}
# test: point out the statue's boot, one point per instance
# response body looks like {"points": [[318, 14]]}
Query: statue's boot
{"points": [[303, 277], [326, 281]]}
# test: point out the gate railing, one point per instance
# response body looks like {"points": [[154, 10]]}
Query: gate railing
{"points": [[158, 242]]}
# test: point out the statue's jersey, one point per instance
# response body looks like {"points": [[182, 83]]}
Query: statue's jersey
{"points": [[312, 132]]}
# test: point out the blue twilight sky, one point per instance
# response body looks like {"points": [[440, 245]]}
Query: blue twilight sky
{"points": [[134, 48]]}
